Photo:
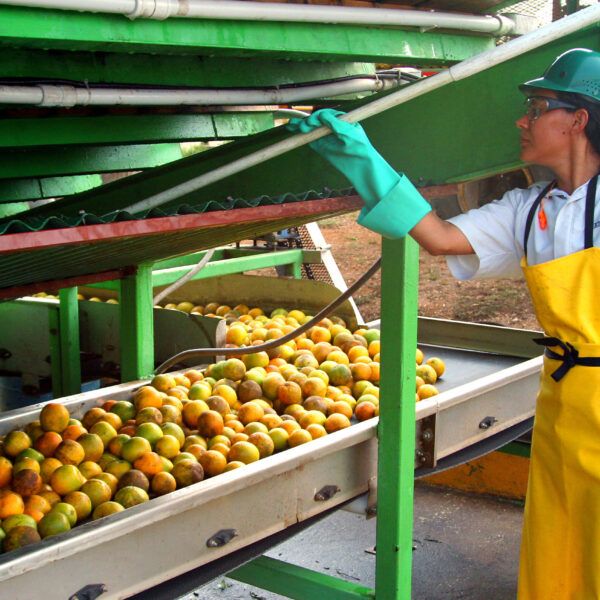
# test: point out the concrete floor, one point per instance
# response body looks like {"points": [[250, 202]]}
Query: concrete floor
{"points": [[465, 547]]}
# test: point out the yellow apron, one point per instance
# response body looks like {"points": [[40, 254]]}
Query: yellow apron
{"points": [[560, 549]]}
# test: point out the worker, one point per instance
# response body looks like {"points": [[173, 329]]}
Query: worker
{"points": [[550, 233]]}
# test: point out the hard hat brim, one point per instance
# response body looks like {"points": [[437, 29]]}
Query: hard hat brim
{"points": [[540, 84]]}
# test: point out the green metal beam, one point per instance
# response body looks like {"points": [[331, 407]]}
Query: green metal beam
{"points": [[297, 582], [396, 431], [172, 70], [86, 159], [232, 265], [131, 129], [12, 190], [137, 325], [67, 30], [70, 362]]}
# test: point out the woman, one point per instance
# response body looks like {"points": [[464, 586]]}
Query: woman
{"points": [[550, 233]]}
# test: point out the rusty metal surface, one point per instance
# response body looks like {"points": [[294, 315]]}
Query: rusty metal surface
{"points": [[58, 254]]}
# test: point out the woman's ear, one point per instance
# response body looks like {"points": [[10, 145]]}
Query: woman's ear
{"points": [[581, 118]]}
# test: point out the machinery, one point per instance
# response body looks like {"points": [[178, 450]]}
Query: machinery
{"points": [[115, 87]]}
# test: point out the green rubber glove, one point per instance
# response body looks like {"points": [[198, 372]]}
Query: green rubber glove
{"points": [[393, 205]]}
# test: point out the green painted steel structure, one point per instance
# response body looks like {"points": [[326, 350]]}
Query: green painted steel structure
{"points": [[61, 30], [80, 160], [129, 129], [472, 136], [12, 190]]}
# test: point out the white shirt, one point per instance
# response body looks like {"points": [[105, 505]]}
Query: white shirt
{"points": [[496, 232]]}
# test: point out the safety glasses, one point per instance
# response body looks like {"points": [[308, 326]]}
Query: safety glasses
{"points": [[537, 106]]}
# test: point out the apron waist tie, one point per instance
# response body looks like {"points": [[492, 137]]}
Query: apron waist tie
{"points": [[569, 358]]}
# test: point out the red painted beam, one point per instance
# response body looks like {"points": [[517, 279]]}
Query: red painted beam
{"points": [[58, 284], [35, 240]]}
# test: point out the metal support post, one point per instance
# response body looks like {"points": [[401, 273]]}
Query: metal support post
{"points": [[68, 326], [396, 430], [137, 324]]}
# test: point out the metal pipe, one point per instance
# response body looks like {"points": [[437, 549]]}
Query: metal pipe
{"points": [[462, 70], [68, 95], [237, 10], [324, 312]]}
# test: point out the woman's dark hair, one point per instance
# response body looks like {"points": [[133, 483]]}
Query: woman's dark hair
{"points": [[592, 129]]}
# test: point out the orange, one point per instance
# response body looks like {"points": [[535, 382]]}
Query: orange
{"points": [[192, 411], [361, 371], [70, 452], [210, 423], [20, 536], [91, 416], [427, 373], [148, 396], [149, 464], [111, 418], [213, 462], [47, 467], [72, 432], [280, 438], [187, 472], [163, 383], [335, 422], [163, 483], [6, 470], [244, 452], [437, 364], [11, 503], [340, 407], [37, 503], [27, 482], [364, 410], [250, 412], [15, 442], [341, 374], [48, 442], [316, 431], [97, 490], [298, 437], [110, 480], [53, 523], [289, 393], [105, 509], [54, 417], [66, 479], [419, 356], [263, 442], [427, 391], [356, 351], [375, 348], [290, 426], [81, 503]]}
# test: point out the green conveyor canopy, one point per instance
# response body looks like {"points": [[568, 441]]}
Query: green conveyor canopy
{"points": [[458, 132]]}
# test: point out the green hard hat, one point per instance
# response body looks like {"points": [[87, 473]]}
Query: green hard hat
{"points": [[576, 71]]}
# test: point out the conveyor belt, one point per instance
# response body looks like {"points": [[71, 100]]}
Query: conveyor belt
{"points": [[275, 493]]}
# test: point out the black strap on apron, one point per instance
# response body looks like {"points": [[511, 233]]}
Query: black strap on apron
{"points": [[570, 356]]}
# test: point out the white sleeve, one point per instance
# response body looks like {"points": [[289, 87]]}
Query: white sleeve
{"points": [[491, 232]]}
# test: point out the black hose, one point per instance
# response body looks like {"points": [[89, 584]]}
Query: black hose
{"points": [[198, 352]]}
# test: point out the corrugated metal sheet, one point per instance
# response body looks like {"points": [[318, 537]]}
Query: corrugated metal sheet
{"points": [[56, 254], [29, 221]]}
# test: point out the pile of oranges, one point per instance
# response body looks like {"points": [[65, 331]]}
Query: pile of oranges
{"points": [[59, 471]]}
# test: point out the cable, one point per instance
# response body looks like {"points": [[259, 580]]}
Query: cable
{"points": [[177, 284], [198, 352]]}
